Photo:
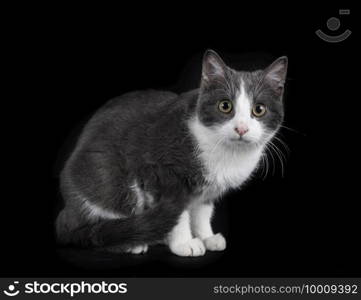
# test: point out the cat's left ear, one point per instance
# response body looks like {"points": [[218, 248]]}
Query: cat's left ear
{"points": [[276, 73], [213, 66]]}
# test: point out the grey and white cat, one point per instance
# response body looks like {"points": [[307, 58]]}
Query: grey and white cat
{"points": [[149, 165]]}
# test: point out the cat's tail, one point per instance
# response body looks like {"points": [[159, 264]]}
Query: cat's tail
{"points": [[152, 226]]}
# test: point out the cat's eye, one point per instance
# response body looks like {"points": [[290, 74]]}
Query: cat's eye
{"points": [[225, 106], [259, 110]]}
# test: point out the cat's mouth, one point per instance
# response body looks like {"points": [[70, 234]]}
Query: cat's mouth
{"points": [[241, 140]]}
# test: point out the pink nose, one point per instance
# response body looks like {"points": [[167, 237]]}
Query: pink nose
{"points": [[241, 129]]}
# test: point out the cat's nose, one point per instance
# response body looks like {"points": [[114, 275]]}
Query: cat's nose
{"points": [[241, 129]]}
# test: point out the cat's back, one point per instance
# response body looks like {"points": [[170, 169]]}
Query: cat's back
{"points": [[123, 113], [139, 102], [115, 122]]}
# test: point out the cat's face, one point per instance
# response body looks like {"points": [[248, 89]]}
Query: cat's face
{"points": [[240, 108]]}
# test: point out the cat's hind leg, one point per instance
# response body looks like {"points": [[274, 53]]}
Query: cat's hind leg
{"points": [[140, 249]]}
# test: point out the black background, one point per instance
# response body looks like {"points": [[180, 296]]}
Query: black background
{"points": [[72, 60]]}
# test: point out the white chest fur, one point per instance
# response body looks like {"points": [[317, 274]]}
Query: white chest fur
{"points": [[225, 166], [226, 169]]}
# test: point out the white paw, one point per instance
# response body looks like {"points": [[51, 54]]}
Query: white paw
{"points": [[215, 242], [138, 249], [193, 247]]}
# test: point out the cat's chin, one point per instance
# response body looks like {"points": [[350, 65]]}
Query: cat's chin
{"points": [[244, 143]]}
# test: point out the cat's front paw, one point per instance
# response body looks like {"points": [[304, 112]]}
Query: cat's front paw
{"points": [[193, 247], [141, 249], [215, 242]]}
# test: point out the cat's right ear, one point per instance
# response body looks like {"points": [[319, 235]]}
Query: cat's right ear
{"points": [[276, 73], [213, 67]]}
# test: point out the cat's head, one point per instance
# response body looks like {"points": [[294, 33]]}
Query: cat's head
{"points": [[240, 108]]}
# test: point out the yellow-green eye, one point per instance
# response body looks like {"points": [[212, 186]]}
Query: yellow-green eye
{"points": [[225, 106], [259, 110]]}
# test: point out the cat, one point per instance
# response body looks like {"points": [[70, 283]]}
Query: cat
{"points": [[149, 165]]}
